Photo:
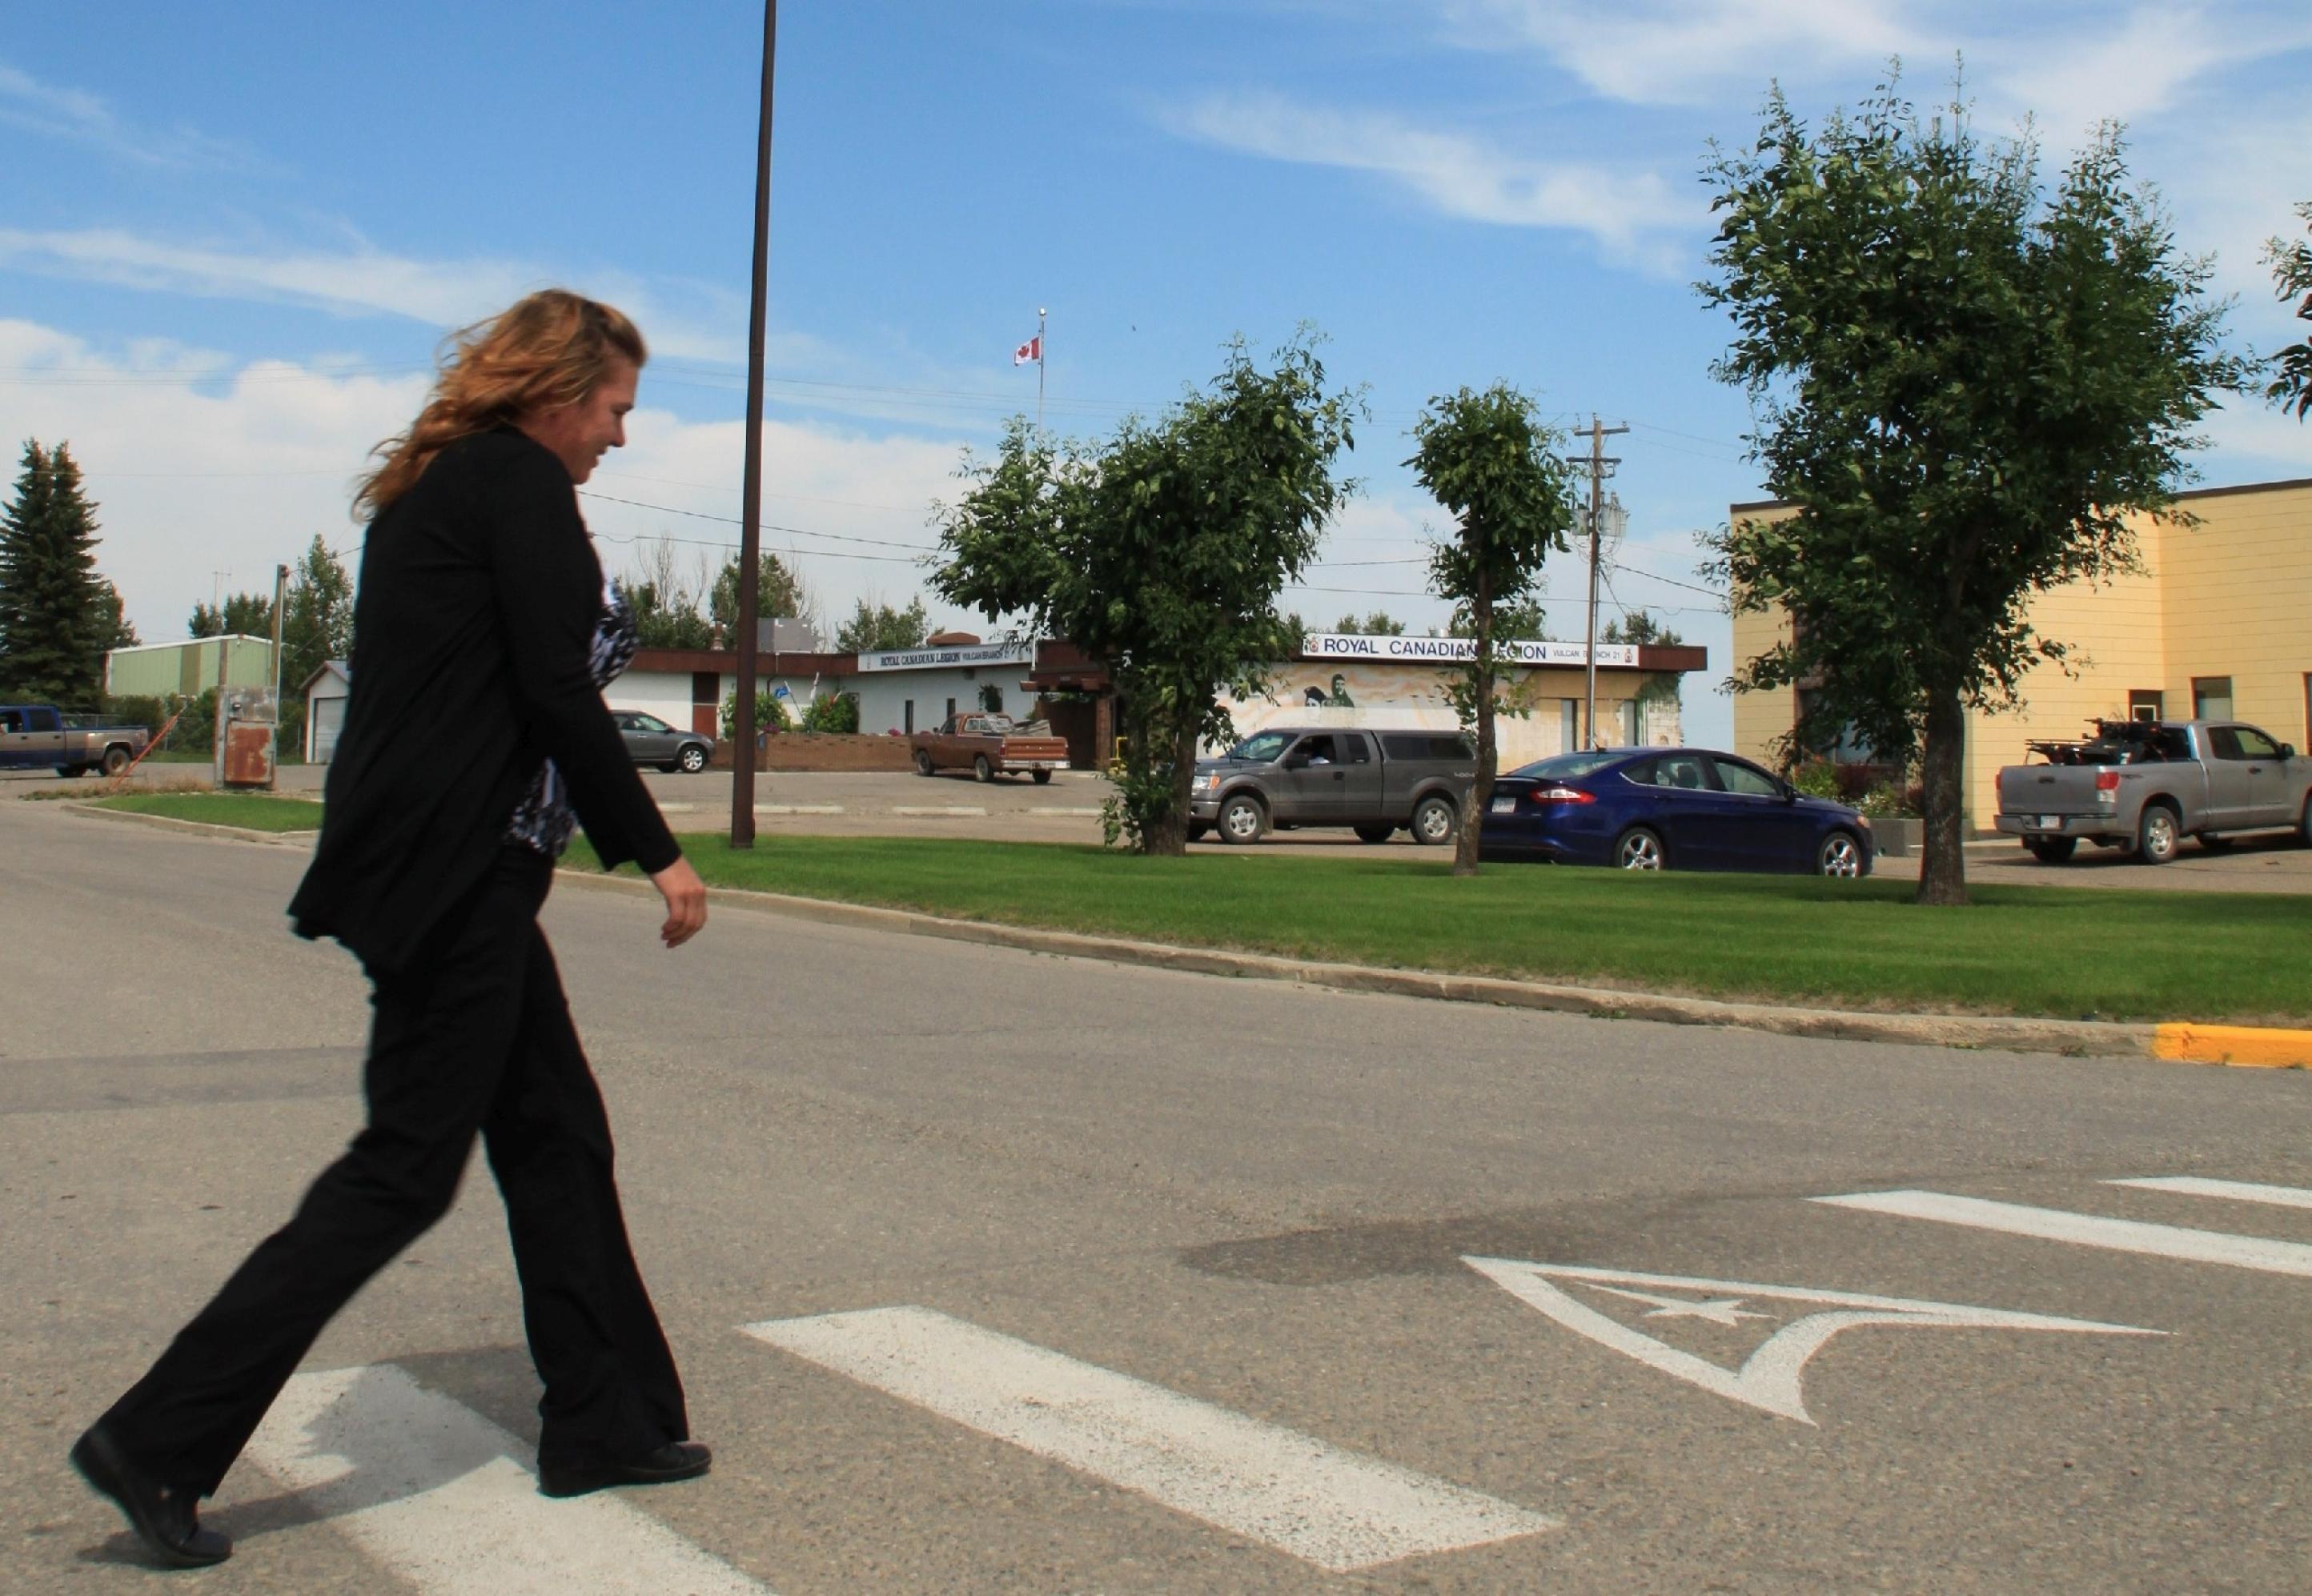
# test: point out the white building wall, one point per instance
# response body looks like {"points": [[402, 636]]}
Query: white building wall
{"points": [[665, 694]]}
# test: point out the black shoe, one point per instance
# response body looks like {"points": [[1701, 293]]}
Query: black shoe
{"points": [[677, 1459], [163, 1517]]}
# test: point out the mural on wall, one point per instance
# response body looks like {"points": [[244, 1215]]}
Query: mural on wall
{"points": [[1404, 697]]}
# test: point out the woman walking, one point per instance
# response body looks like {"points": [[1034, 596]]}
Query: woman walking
{"points": [[475, 736]]}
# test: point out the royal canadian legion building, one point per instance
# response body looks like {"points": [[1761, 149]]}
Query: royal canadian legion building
{"points": [[2217, 625]]}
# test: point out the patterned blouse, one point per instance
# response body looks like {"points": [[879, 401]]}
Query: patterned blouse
{"points": [[543, 820]]}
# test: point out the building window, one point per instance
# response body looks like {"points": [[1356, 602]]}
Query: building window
{"points": [[1848, 747], [909, 716], [1629, 738], [1569, 725], [950, 709], [991, 698], [2211, 698], [2147, 703]]}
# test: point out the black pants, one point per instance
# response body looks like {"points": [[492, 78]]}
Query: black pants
{"points": [[478, 1037]]}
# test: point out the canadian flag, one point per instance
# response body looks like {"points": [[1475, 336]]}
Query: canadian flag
{"points": [[1033, 350]]}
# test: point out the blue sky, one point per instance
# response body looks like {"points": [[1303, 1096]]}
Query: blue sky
{"points": [[230, 237]]}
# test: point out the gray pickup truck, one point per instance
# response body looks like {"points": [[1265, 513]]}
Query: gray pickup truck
{"points": [[35, 737], [1374, 782], [2146, 785]]}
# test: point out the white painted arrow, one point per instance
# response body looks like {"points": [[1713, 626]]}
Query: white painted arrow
{"points": [[1770, 1378]]}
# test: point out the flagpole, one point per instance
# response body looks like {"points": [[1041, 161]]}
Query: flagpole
{"points": [[1039, 368]]}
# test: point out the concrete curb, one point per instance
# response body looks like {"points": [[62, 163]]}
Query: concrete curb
{"points": [[200, 828], [2075, 1038]]}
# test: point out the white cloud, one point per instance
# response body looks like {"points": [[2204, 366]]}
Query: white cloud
{"points": [[82, 118], [360, 280], [1671, 52], [200, 465], [1626, 212]]}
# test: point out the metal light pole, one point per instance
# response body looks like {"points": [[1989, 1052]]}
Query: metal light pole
{"points": [[750, 524]]}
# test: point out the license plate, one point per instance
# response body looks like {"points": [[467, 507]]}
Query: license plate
{"points": [[2051, 822], [1505, 806]]}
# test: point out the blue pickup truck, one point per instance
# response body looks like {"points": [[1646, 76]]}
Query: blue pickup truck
{"points": [[35, 737]]}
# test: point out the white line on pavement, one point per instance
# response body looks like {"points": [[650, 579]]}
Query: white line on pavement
{"points": [[434, 1492], [2088, 1230], [1336, 1509], [798, 809], [941, 810], [2285, 1196], [1079, 810]]}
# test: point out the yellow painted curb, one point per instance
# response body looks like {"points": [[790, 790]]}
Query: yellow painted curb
{"points": [[2251, 1046]]}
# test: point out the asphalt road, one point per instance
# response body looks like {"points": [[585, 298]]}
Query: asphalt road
{"points": [[1155, 1282]]}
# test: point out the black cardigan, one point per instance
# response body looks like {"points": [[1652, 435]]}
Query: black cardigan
{"points": [[479, 592]]}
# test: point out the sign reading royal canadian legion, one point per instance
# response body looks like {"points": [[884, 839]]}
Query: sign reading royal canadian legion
{"points": [[1452, 651]]}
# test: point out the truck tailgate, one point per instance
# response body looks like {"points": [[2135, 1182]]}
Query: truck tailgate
{"points": [[2050, 789]]}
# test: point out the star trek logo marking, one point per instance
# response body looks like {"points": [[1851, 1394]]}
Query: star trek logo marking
{"points": [[1769, 1379]]}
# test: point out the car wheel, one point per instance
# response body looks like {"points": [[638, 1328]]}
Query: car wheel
{"points": [[692, 759], [1639, 850], [1839, 854], [116, 760], [2051, 851], [2156, 834], [1375, 833], [1042, 778], [981, 771], [1435, 821], [923, 761], [1242, 820]]}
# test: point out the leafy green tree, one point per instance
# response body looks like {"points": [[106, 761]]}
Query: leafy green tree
{"points": [[1518, 620], [1379, 624], [770, 712], [1640, 627], [778, 592], [1162, 551], [1967, 385], [873, 627], [57, 615], [832, 713], [2291, 275], [316, 625], [1489, 459], [242, 615], [668, 600]]}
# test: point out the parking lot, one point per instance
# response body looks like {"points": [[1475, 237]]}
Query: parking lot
{"points": [[877, 803]]}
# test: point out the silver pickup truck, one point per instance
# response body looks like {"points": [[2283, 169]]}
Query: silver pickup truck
{"points": [[38, 737], [2145, 786], [1375, 782]]}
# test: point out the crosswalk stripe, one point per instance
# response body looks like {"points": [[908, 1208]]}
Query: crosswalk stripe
{"points": [[2286, 1197], [434, 1492], [1337, 1509], [2088, 1230]]}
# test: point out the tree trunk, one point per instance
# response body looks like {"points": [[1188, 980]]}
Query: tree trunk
{"points": [[1481, 791], [1167, 835], [1942, 862]]}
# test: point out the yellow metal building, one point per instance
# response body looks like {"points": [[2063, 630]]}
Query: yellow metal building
{"points": [[2218, 626]]}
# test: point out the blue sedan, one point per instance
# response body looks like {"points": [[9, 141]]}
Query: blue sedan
{"points": [[1669, 808]]}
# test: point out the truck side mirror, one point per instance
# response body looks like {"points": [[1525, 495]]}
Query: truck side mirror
{"points": [[2286, 751], [1296, 761]]}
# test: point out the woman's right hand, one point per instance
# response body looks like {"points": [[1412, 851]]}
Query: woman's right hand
{"points": [[686, 902]]}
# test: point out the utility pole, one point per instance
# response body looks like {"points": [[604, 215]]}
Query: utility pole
{"points": [[280, 602], [750, 525], [1601, 466]]}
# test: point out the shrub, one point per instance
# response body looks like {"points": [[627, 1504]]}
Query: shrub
{"points": [[832, 713], [770, 713], [1816, 778]]}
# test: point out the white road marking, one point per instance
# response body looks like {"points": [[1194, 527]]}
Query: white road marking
{"points": [[798, 808], [1334, 1508], [2088, 1230], [436, 1492], [2286, 1197], [1079, 810], [1770, 1378], [943, 810]]}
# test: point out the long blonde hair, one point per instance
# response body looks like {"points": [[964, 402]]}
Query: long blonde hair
{"points": [[554, 347]]}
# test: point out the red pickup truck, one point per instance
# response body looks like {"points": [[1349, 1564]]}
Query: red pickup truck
{"points": [[989, 744]]}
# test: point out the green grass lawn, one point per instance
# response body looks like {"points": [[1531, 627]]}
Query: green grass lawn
{"points": [[251, 811], [2028, 950]]}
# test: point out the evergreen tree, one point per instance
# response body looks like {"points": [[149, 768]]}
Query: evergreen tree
{"points": [[244, 615], [57, 615]]}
